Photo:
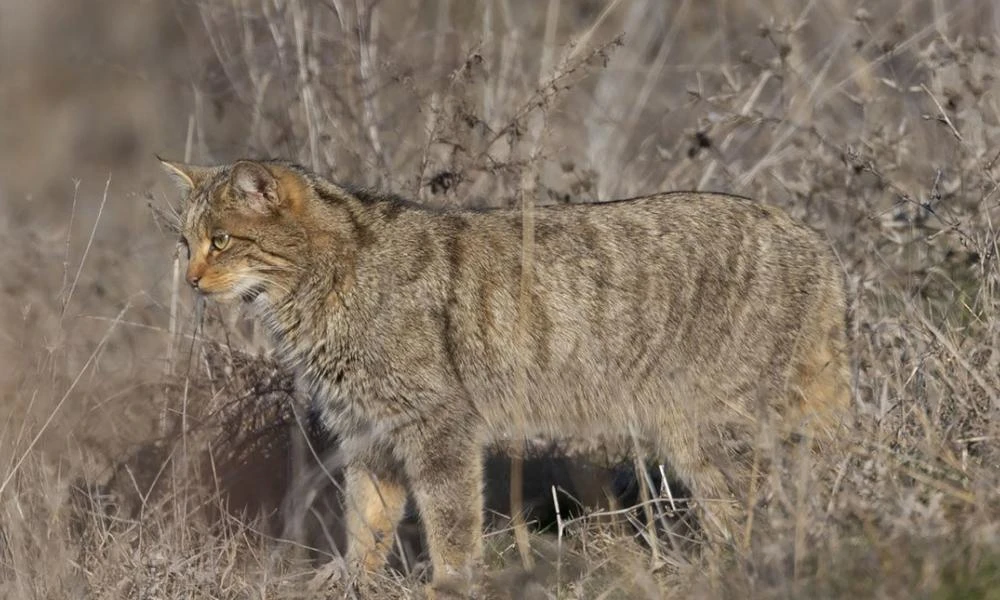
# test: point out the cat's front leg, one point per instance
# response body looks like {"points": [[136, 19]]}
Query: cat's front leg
{"points": [[443, 464], [374, 500]]}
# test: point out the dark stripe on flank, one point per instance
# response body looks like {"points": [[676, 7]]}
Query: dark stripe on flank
{"points": [[422, 258], [455, 260]]}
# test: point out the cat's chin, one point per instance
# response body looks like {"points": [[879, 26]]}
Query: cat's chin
{"points": [[221, 298], [232, 296], [242, 294]]}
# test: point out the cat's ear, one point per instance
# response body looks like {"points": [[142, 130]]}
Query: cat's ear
{"points": [[255, 185], [187, 177]]}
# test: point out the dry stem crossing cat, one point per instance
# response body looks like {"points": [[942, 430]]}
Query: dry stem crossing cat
{"points": [[691, 320]]}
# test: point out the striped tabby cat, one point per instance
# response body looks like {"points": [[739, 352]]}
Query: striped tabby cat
{"points": [[690, 320]]}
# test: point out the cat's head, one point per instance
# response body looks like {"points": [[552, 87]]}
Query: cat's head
{"points": [[240, 225]]}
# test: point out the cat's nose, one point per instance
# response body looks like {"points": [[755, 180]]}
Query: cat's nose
{"points": [[194, 273]]}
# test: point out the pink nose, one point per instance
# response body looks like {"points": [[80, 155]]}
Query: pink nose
{"points": [[194, 273]]}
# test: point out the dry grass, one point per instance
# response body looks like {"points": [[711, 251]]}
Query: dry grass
{"points": [[149, 447]]}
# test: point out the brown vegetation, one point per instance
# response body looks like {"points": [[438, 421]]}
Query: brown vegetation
{"points": [[136, 446]]}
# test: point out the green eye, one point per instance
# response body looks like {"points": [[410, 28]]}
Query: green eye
{"points": [[220, 241]]}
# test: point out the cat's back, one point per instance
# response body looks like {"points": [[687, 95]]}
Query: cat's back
{"points": [[682, 215], [720, 247], [591, 261]]}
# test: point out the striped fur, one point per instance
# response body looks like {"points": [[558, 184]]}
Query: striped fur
{"points": [[691, 320]]}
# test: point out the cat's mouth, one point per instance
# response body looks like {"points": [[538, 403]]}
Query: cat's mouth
{"points": [[243, 293], [242, 288]]}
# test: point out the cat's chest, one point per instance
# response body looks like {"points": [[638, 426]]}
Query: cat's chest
{"points": [[342, 375], [331, 376], [341, 381], [320, 358]]}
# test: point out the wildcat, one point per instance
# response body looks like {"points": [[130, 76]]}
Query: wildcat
{"points": [[690, 320]]}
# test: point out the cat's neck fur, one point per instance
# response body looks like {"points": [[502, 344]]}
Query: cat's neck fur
{"points": [[322, 305]]}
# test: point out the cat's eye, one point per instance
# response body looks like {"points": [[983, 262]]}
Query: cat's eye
{"points": [[220, 241]]}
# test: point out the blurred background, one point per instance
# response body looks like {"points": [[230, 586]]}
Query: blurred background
{"points": [[876, 122]]}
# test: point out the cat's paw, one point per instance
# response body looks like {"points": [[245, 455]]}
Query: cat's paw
{"points": [[333, 574]]}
